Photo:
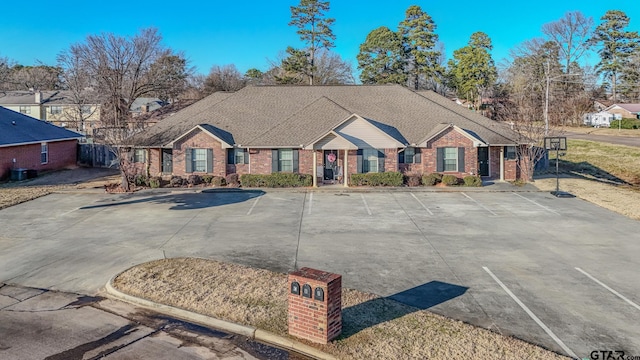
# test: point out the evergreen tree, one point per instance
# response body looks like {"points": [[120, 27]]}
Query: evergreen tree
{"points": [[616, 44], [472, 70], [419, 40], [314, 29], [381, 58]]}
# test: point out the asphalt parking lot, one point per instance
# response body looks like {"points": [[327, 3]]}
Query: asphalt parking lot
{"points": [[561, 273]]}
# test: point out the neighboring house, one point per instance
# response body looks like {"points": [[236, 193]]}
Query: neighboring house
{"points": [[629, 111], [328, 131], [601, 104], [145, 105], [27, 143], [57, 107], [599, 119]]}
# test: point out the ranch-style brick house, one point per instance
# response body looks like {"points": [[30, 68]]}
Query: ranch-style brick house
{"points": [[330, 132]]}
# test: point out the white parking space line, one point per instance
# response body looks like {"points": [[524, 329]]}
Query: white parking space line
{"points": [[610, 289], [310, 202], [531, 314], [423, 205], [482, 206], [533, 202], [365, 204], [254, 205]]}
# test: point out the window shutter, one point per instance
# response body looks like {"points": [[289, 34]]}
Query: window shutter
{"points": [[274, 160], [246, 155], [440, 160], [417, 157], [230, 156], [359, 161], [188, 162], [400, 157], [209, 161], [380, 161], [296, 161], [461, 159]]}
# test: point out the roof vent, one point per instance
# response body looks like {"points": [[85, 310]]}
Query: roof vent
{"points": [[13, 123]]}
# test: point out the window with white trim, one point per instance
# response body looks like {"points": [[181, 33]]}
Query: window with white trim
{"points": [[285, 160], [369, 160], [409, 154], [450, 159], [139, 155], [199, 160], [510, 152], [238, 156], [25, 109], [44, 153], [55, 110]]}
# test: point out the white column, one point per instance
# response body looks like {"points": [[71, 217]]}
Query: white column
{"points": [[345, 175], [502, 163], [315, 168]]}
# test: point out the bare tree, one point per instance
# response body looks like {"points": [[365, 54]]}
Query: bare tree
{"points": [[39, 77], [121, 68], [80, 89], [5, 72], [223, 78], [571, 33]]}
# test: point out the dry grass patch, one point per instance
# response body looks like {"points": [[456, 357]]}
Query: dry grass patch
{"points": [[373, 327], [10, 196], [621, 199], [601, 160]]}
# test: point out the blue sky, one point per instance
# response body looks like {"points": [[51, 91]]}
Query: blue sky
{"points": [[249, 33]]}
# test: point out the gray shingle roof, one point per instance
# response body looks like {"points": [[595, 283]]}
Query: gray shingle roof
{"points": [[295, 115], [50, 97], [16, 128]]}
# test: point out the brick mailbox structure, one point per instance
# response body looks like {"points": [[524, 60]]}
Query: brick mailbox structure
{"points": [[315, 305]]}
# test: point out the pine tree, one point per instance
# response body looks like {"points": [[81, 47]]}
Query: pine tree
{"points": [[419, 40], [381, 58], [314, 29]]}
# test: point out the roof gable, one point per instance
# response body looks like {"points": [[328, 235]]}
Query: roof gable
{"points": [[445, 127], [209, 130], [20, 129]]}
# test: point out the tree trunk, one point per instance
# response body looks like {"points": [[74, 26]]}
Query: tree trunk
{"points": [[124, 179]]}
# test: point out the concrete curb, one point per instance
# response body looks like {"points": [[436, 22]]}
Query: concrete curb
{"points": [[226, 326]]}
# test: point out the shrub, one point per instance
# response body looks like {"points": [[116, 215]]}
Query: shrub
{"points": [[412, 179], [276, 180], [218, 181], [431, 179], [391, 178], [207, 179], [141, 180], [472, 180], [155, 182], [176, 181], [626, 123], [450, 180], [232, 180], [194, 180]]}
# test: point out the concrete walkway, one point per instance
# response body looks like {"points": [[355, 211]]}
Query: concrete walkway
{"points": [[42, 324]]}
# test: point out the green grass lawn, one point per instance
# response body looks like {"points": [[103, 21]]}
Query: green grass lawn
{"points": [[601, 160]]}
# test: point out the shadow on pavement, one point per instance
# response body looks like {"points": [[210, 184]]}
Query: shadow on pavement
{"points": [[373, 312], [185, 201]]}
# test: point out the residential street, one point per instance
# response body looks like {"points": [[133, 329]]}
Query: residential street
{"points": [[618, 140]]}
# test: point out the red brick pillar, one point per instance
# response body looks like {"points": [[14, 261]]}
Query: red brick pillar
{"points": [[315, 305]]}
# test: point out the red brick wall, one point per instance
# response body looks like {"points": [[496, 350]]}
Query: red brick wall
{"points": [[199, 140], [260, 160], [319, 321], [62, 154], [450, 138], [390, 159], [305, 161]]}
